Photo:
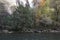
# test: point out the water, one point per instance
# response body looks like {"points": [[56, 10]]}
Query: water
{"points": [[31, 36]]}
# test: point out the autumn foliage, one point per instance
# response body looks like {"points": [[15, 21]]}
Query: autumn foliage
{"points": [[42, 2]]}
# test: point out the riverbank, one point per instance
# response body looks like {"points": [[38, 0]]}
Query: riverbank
{"points": [[50, 31]]}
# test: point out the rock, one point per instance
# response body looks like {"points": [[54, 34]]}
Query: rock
{"points": [[10, 32], [36, 32], [5, 31]]}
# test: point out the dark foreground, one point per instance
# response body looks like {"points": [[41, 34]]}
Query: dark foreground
{"points": [[31, 36]]}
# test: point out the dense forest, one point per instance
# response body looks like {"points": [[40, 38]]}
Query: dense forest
{"points": [[44, 16]]}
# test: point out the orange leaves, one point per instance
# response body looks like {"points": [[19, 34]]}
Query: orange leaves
{"points": [[39, 3], [42, 2]]}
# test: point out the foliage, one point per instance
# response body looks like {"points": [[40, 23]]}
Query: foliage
{"points": [[45, 15], [21, 18]]}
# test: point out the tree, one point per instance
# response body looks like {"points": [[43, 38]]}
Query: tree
{"points": [[20, 19], [43, 14], [3, 14], [56, 6]]}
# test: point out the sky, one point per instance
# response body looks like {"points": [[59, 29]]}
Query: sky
{"points": [[13, 2]]}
